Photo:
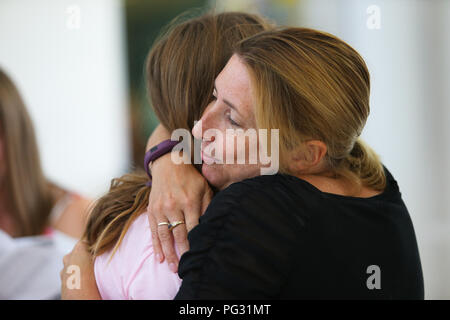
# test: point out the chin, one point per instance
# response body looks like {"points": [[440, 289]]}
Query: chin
{"points": [[214, 175]]}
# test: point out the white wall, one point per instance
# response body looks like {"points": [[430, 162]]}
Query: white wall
{"points": [[68, 60], [409, 62]]}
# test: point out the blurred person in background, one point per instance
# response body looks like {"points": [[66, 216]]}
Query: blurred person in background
{"points": [[39, 221]]}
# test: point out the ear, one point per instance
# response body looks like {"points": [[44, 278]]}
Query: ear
{"points": [[308, 157]]}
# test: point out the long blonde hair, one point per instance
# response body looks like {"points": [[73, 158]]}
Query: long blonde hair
{"points": [[312, 85], [29, 192], [181, 68]]}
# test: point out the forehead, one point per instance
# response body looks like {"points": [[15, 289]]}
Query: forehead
{"points": [[234, 85]]}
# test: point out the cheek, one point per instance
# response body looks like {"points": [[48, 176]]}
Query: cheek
{"points": [[216, 175], [241, 150], [229, 149], [221, 176], [212, 120]]}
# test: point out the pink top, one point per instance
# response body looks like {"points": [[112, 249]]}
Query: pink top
{"points": [[133, 273]]}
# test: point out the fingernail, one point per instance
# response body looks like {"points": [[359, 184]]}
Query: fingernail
{"points": [[158, 257], [173, 267]]}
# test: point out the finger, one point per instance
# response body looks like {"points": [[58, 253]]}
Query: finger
{"points": [[192, 214], [159, 256], [180, 237], [167, 244]]}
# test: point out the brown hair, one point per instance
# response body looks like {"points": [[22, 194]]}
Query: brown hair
{"points": [[312, 85], [183, 64], [181, 68], [28, 191]]}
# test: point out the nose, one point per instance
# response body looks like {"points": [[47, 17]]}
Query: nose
{"points": [[197, 131], [203, 124]]}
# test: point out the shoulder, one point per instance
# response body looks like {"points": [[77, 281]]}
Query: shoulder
{"points": [[134, 247], [146, 279], [244, 243], [240, 218], [392, 187], [115, 273], [133, 273], [269, 199]]}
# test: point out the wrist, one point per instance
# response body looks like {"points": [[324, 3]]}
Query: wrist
{"points": [[157, 163], [158, 135], [157, 152]]}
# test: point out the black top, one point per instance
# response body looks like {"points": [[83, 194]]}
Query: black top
{"points": [[279, 237]]}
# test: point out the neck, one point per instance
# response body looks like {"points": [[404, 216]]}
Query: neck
{"points": [[321, 169], [325, 179]]}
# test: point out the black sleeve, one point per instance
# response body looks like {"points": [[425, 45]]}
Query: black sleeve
{"points": [[242, 248]]}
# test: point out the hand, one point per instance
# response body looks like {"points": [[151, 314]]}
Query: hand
{"points": [[179, 193], [77, 276]]}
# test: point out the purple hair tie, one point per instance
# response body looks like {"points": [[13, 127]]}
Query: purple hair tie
{"points": [[154, 153]]}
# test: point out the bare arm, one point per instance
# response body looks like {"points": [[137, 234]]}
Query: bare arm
{"points": [[179, 193], [158, 135]]}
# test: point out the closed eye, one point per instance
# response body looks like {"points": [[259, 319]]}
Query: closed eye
{"points": [[234, 123]]}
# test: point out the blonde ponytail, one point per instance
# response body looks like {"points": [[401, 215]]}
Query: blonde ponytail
{"points": [[363, 167]]}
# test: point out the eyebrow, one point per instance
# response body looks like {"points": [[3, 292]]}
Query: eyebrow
{"points": [[228, 103]]}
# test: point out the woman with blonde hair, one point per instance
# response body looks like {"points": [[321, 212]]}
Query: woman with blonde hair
{"points": [[331, 224]]}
